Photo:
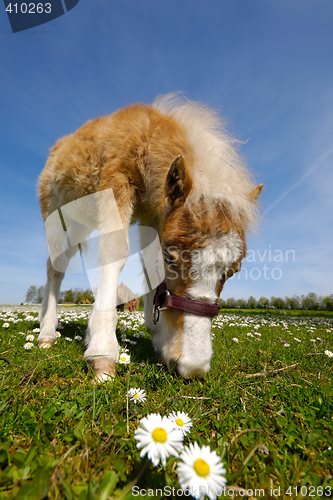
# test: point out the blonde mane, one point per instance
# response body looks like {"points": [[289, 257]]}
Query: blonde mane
{"points": [[218, 172]]}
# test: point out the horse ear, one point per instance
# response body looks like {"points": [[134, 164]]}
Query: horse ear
{"points": [[255, 193], [178, 183]]}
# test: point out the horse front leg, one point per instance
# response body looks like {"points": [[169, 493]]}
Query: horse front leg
{"points": [[102, 346]]}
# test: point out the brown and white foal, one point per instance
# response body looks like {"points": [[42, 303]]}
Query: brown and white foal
{"points": [[170, 166]]}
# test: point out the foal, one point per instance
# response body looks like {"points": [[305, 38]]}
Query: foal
{"points": [[170, 166]]}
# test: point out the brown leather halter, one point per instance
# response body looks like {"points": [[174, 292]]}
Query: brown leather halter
{"points": [[163, 299]]}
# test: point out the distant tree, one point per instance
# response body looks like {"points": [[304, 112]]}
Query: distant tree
{"points": [[68, 296], [79, 295], [277, 303], [222, 304], [31, 295], [84, 297], [241, 304], [262, 303], [40, 294], [328, 301], [231, 303], [310, 302], [293, 302], [251, 302]]}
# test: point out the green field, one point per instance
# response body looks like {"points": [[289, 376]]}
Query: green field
{"points": [[266, 409]]}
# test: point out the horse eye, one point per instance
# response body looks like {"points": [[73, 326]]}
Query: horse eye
{"points": [[168, 258]]}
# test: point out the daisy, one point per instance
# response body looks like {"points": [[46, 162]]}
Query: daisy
{"points": [[158, 438], [58, 335], [201, 472], [137, 395], [30, 337], [124, 358], [77, 337], [235, 339], [69, 339], [329, 353], [181, 421], [249, 334], [28, 345], [5, 325], [36, 330]]}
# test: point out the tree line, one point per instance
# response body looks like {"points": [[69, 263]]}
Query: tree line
{"points": [[309, 302], [35, 294]]}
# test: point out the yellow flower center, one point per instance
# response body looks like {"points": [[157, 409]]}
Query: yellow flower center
{"points": [[179, 422], [136, 395], [159, 435], [201, 467], [123, 358]]}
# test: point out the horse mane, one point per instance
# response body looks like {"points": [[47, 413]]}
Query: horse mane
{"points": [[220, 177]]}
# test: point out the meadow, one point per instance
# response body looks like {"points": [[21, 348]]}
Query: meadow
{"points": [[265, 408]]}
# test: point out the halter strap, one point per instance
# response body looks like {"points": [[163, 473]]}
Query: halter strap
{"points": [[164, 299]]}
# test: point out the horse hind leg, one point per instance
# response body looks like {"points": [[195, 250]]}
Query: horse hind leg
{"points": [[48, 313], [48, 317]]}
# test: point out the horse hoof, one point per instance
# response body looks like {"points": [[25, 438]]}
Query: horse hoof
{"points": [[105, 369], [46, 342]]}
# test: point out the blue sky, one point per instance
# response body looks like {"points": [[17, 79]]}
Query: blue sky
{"points": [[266, 65]]}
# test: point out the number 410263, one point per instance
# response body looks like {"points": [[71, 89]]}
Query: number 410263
{"points": [[309, 491], [30, 8]]}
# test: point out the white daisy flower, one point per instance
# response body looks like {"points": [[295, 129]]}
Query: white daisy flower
{"points": [[124, 359], [201, 471], [78, 337], [69, 339], [181, 421], [329, 353], [235, 339], [286, 345], [249, 334], [137, 395], [58, 335], [257, 333], [30, 337], [36, 330], [28, 345], [158, 438], [297, 340], [5, 325]]}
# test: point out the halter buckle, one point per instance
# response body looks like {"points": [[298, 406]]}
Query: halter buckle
{"points": [[157, 309]]}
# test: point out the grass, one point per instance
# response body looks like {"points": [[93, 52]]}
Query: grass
{"points": [[265, 408]]}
